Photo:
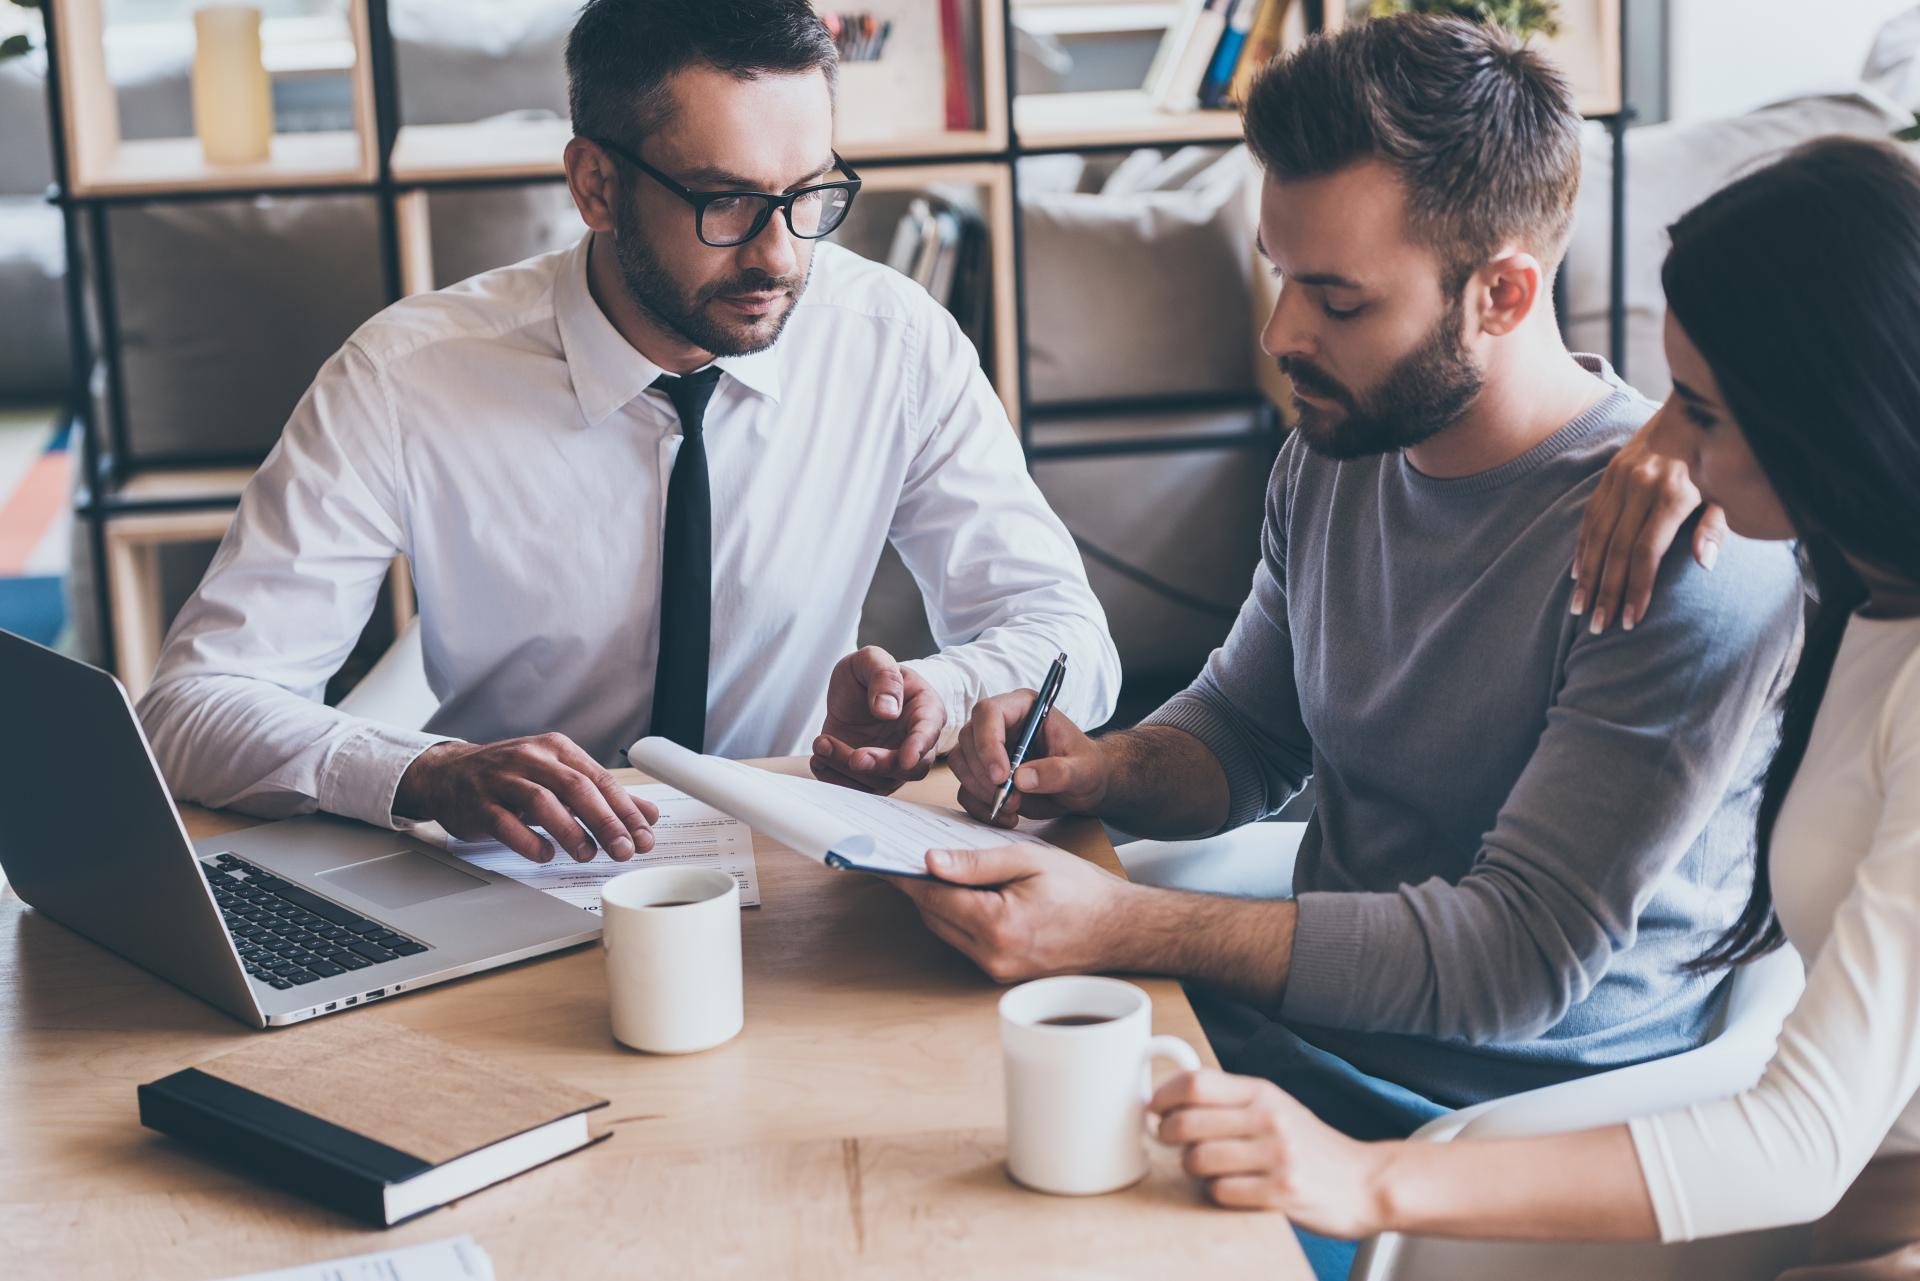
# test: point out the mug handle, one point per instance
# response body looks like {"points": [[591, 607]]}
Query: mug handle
{"points": [[1165, 1047]]}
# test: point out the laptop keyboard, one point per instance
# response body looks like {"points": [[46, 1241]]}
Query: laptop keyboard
{"points": [[287, 935]]}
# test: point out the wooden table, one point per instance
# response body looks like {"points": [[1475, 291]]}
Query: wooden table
{"points": [[854, 1129]]}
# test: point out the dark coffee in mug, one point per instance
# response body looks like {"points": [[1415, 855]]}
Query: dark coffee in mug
{"points": [[679, 902], [1076, 1020]]}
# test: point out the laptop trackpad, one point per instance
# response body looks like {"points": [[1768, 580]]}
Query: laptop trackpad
{"points": [[400, 879]]}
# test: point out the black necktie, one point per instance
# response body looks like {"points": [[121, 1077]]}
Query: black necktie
{"points": [[686, 572]]}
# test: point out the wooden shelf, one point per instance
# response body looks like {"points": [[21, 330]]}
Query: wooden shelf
{"points": [[162, 165], [171, 485], [1114, 118], [101, 163], [429, 154], [484, 149]]}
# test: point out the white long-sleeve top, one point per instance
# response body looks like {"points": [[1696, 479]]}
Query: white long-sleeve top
{"points": [[1846, 883], [501, 434]]}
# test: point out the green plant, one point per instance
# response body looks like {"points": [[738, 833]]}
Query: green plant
{"points": [[1522, 17], [15, 45]]}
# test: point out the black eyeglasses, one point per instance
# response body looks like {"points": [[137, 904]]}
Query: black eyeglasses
{"points": [[723, 219]]}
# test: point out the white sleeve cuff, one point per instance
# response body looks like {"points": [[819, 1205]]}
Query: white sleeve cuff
{"points": [[363, 772], [956, 694]]}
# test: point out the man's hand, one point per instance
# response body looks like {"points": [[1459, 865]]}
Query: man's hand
{"points": [[1065, 771], [1037, 910], [501, 791], [883, 722], [1254, 1147], [1646, 494]]}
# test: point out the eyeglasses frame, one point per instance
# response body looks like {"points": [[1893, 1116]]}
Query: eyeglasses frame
{"points": [[770, 201]]}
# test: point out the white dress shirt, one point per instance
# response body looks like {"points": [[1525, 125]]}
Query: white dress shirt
{"points": [[1845, 864], [501, 434]]}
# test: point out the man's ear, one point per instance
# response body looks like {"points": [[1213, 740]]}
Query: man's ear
{"points": [[1505, 291], [594, 183]]}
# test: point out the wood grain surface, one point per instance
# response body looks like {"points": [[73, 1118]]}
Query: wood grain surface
{"points": [[853, 1129]]}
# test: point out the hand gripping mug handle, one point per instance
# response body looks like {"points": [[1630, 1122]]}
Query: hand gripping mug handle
{"points": [[1165, 1047]]}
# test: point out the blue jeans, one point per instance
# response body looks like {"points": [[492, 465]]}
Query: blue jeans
{"points": [[1351, 1101]]}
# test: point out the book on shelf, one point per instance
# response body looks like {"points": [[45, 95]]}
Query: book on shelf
{"points": [[1266, 37], [953, 50], [1226, 58], [377, 1121], [1183, 68]]}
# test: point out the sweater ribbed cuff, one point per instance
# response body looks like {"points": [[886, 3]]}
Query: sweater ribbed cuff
{"points": [[1328, 943], [1246, 782]]}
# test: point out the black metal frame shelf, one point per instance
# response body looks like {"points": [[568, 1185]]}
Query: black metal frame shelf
{"points": [[108, 465]]}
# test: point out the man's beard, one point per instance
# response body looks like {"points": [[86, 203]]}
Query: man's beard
{"points": [[654, 290], [1425, 393]]}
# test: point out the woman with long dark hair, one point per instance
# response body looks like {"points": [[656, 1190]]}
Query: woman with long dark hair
{"points": [[1793, 330]]}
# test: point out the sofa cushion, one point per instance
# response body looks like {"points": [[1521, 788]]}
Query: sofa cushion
{"points": [[1099, 264], [1671, 168], [228, 308]]}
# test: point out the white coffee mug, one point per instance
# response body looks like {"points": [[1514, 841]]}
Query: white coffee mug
{"points": [[1078, 1055], [672, 938]]}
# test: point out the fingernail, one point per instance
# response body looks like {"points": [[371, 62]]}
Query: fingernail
{"points": [[1628, 618], [1579, 601], [1025, 780], [646, 842], [1599, 623], [1709, 555], [888, 705], [1574, 573], [939, 858], [622, 848], [821, 746]]}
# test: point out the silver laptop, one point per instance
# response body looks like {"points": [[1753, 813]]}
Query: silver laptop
{"points": [[273, 924]]}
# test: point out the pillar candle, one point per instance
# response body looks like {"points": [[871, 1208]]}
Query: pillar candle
{"points": [[232, 101]]}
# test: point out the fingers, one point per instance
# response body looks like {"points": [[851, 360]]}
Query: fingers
{"points": [[601, 805], [876, 669], [999, 866], [837, 762], [926, 717], [822, 764], [1242, 1192], [1604, 606], [542, 807], [1596, 529], [503, 826], [993, 719], [1224, 1158], [1208, 1087], [1709, 535], [980, 806]]}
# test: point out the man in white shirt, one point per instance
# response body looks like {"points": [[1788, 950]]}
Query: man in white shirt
{"points": [[643, 485]]}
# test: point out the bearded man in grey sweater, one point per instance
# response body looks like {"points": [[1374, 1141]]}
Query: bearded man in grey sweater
{"points": [[1525, 823]]}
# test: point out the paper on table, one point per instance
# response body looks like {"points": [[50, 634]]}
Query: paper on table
{"points": [[454, 1259], [824, 822], [690, 833]]}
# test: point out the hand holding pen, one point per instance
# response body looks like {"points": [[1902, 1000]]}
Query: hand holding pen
{"points": [[1062, 771]]}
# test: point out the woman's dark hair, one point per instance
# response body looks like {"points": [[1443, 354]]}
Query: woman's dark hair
{"points": [[1800, 286]]}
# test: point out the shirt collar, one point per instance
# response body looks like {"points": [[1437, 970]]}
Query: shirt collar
{"points": [[607, 370]]}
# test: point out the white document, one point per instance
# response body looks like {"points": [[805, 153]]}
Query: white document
{"points": [[833, 825], [690, 833], [454, 1259]]}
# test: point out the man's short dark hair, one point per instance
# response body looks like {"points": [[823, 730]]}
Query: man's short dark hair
{"points": [[1481, 130], [621, 53]]}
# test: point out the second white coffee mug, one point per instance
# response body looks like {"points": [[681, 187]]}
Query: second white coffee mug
{"points": [[672, 938], [1078, 1054]]}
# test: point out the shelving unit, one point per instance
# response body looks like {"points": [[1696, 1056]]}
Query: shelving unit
{"points": [[135, 504]]}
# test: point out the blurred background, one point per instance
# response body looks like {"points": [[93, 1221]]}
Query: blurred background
{"points": [[1065, 176]]}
